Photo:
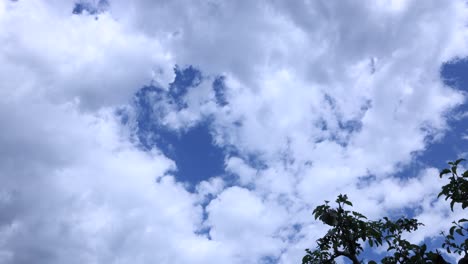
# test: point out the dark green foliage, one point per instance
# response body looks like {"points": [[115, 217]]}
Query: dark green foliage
{"points": [[350, 230], [457, 191], [464, 260]]}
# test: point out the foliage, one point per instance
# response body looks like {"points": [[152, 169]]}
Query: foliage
{"points": [[457, 189], [350, 230], [457, 192]]}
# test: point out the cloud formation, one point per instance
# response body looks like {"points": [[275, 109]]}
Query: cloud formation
{"points": [[318, 98]]}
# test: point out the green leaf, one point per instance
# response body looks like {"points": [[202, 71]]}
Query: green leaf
{"points": [[444, 171], [306, 259], [458, 161], [348, 202], [462, 220], [451, 230], [423, 248], [454, 169], [356, 214]]}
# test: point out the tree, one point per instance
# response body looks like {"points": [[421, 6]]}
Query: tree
{"points": [[350, 230]]}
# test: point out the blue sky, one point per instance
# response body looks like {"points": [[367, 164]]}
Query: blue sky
{"points": [[194, 131], [196, 156], [199, 158], [453, 144]]}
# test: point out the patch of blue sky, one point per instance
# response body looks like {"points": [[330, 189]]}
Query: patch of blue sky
{"points": [[219, 89], [454, 143], [185, 78], [196, 156], [91, 7], [432, 245], [451, 146], [346, 128], [269, 260]]}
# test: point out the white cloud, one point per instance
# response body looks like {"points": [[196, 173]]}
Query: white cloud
{"points": [[231, 215], [63, 57], [323, 93], [78, 191]]}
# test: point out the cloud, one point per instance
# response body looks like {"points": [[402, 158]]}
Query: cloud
{"points": [[230, 218], [63, 56], [316, 96]]}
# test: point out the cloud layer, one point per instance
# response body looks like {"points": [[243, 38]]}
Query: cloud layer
{"points": [[318, 98]]}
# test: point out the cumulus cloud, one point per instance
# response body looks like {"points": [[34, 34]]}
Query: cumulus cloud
{"points": [[65, 57], [316, 96]]}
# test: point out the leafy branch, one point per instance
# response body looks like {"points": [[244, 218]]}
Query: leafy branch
{"points": [[350, 230]]}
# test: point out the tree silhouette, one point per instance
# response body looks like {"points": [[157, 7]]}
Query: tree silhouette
{"points": [[350, 230]]}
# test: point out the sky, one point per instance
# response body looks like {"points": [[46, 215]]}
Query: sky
{"points": [[208, 130]]}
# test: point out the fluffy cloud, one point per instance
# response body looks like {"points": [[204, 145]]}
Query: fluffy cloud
{"points": [[64, 57], [320, 94]]}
